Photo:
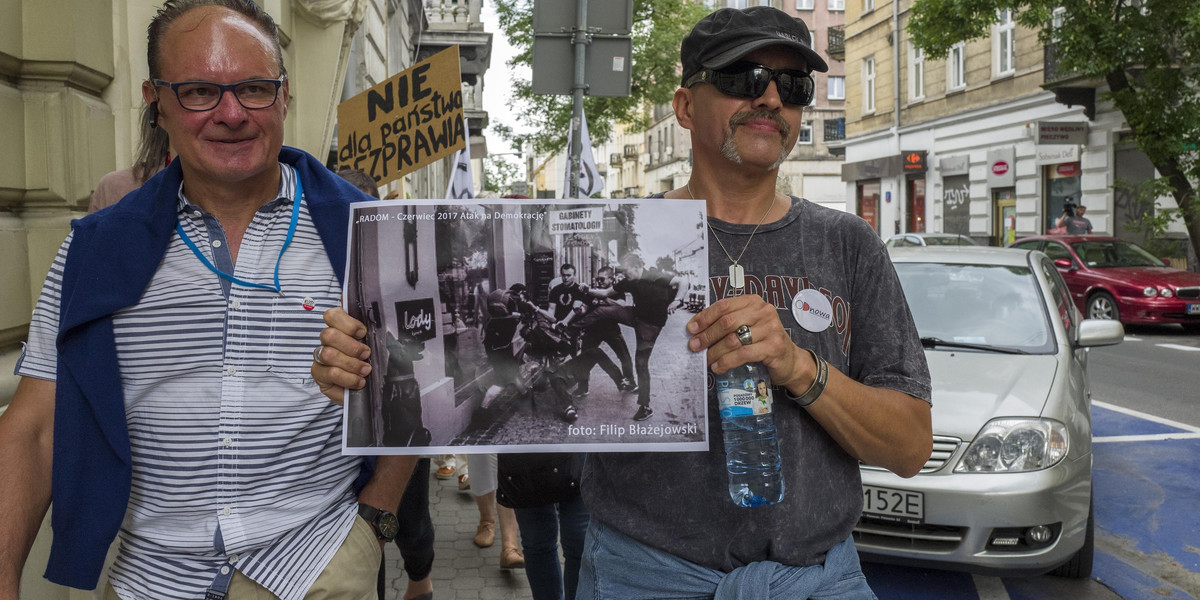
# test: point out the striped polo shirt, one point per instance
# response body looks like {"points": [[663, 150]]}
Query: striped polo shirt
{"points": [[236, 452]]}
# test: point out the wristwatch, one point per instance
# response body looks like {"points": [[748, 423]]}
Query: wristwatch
{"points": [[385, 523]]}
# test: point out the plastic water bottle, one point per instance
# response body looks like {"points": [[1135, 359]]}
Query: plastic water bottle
{"points": [[751, 448]]}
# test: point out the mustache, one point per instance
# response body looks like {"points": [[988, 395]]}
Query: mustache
{"points": [[741, 118]]}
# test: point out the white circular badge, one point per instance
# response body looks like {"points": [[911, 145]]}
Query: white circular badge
{"points": [[812, 310]]}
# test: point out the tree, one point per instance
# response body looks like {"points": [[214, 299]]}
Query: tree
{"points": [[499, 175], [658, 29], [1146, 51]]}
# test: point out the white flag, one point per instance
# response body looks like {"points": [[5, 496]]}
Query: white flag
{"points": [[462, 185], [590, 181]]}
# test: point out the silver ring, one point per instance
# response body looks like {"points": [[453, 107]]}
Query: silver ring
{"points": [[743, 335], [317, 356]]}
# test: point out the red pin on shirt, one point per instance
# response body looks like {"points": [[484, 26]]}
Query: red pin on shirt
{"points": [[309, 304]]}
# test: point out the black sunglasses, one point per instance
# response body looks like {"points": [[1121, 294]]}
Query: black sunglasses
{"points": [[750, 80]]}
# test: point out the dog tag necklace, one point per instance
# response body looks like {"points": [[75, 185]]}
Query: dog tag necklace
{"points": [[737, 275]]}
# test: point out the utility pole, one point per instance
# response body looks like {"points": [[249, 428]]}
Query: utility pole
{"points": [[580, 40], [601, 51]]}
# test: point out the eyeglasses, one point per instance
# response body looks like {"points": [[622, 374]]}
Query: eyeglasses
{"points": [[750, 80], [252, 94]]}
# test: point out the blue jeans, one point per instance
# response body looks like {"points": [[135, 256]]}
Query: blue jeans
{"points": [[541, 529], [617, 567]]}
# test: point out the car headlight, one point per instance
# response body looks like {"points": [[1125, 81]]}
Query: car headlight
{"points": [[1149, 292], [1166, 293], [1015, 446]]}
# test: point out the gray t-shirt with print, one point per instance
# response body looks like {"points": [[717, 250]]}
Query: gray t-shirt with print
{"points": [[679, 502]]}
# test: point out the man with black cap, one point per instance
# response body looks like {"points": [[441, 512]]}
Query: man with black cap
{"points": [[806, 290], [663, 524]]}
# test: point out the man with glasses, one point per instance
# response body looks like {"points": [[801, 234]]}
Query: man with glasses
{"points": [[791, 272], [166, 386]]}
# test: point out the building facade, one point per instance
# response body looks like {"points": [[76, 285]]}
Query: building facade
{"points": [[978, 143]]}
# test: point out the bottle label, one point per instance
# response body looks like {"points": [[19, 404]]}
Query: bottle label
{"points": [[751, 398]]}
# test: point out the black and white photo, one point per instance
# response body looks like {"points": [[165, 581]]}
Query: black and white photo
{"points": [[520, 325]]}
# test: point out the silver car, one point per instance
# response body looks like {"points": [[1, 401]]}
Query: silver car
{"points": [[1008, 489], [901, 240]]}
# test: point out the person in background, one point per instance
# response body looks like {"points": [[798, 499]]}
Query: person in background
{"points": [[483, 481], [153, 155], [543, 490], [1073, 220]]}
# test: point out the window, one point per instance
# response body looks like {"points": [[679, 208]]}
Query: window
{"points": [[836, 5], [1004, 48], [868, 85], [916, 73], [868, 5], [837, 88], [804, 4], [956, 75], [806, 133]]}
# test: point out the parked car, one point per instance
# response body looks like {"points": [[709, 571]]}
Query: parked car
{"points": [[929, 239], [1111, 278], [1008, 488]]}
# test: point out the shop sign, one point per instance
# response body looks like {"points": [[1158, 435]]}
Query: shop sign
{"points": [[913, 162], [1002, 167], [955, 165], [1057, 154], [1063, 170], [1051, 133]]}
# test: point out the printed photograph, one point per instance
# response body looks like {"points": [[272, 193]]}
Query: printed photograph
{"points": [[517, 325]]}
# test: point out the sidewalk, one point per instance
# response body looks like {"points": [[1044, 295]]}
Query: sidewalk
{"points": [[461, 571]]}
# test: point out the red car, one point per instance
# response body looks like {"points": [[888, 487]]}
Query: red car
{"points": [[1110, 278]]}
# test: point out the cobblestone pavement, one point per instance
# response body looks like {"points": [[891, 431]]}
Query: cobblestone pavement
{"points": [[461, 570]]}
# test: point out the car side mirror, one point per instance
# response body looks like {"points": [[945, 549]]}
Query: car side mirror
{"points": [[1064, 264], [1099, 332]]}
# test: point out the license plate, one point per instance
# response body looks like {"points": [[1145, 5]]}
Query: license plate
{"points": [[901, 506], [1194, 309]]}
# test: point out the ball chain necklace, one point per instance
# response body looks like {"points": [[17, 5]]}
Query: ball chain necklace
{"points": [[737, 275]]}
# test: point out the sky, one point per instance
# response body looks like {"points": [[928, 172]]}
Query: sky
{"points": [[497, 88]]}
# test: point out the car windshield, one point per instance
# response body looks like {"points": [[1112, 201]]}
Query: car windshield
{"points": [[981, 307], [1101, 254]]}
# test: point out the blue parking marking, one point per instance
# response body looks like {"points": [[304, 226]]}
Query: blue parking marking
{"points": [[1109, 423], [1146, 513]]}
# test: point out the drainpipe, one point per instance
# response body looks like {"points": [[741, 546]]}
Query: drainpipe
{"points": [[896, 106]]}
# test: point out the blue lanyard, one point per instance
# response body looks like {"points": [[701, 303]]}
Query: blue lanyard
{"points": [[286, 242]]}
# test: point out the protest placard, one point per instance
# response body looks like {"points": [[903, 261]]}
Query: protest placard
{"points": [[405, 123], [522, 326]]}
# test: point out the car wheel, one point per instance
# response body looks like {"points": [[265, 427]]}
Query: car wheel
{"points": [[1102, 306], [1080, 565]]}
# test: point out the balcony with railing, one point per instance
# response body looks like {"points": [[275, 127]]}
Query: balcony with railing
{"points": [[1071, 88], [836, 48], [835, 129]]}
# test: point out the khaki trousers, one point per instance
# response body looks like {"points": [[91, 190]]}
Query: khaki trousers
{"points": [[351, 575]]}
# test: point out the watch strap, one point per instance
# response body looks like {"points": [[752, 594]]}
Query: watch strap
{"points": [[373, 515]]}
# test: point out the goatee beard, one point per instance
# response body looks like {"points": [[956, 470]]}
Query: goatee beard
{"points": [[729, 147]]}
